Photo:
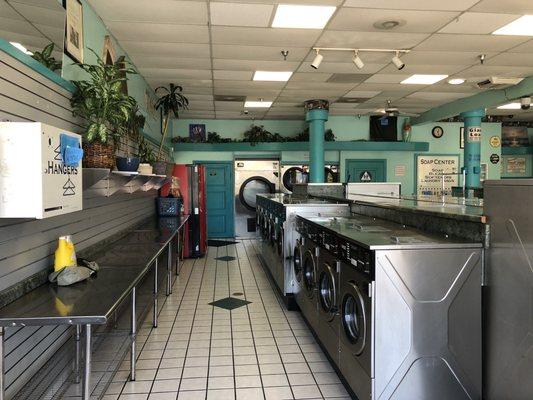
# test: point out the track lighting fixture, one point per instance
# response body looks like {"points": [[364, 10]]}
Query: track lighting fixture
{"points": [[318, 60], [397, 62], [357, 60]]}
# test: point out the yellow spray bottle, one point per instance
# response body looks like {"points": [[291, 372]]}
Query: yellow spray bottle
{"points": [[65, 255]]}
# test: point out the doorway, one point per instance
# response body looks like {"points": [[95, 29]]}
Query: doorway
{"points": [[365, 170]]}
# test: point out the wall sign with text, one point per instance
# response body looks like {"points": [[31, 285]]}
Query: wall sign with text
{"points": [[430, 171]]}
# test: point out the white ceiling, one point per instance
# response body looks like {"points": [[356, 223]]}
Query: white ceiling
{"points": [[212, 48]]}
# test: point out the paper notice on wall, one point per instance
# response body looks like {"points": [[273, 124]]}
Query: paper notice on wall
{"points": [[399, 170], [516, 165], [474, 133], [432, 170]]}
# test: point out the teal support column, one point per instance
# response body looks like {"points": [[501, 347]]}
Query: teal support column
{"points": [[472, 151], [317, 118]]}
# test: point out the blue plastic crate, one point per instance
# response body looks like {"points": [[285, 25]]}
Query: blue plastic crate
{"points": [[168, 206]]}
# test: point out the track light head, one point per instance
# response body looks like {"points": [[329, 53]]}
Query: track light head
{"points": [[397, 62], [317, 61], [357, 61]]}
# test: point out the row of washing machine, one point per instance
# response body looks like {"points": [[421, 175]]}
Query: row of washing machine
{"points": [[397, 311]]}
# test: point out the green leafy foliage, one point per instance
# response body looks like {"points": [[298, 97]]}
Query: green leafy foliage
{"points": [[101, 100], [45, 57], [145, 152]]}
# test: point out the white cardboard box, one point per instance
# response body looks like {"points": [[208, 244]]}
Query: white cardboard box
{"points": [[34, 182]]}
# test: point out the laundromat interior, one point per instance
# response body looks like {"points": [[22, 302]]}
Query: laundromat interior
{"points": [[266, 200]]}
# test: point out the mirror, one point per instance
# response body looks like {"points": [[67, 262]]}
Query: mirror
{"points": [[32, 25]]}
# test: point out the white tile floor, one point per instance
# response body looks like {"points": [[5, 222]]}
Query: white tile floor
{"points": [[258, 351]]}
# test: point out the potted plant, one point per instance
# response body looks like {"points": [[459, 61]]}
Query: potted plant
{"points": [[135, 124], [146, 156], [170, 102], [102, 103], [46, 58]]}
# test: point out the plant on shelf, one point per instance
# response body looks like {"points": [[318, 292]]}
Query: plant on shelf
{"points": [[170, 103], [257, 134], [102, 103], [146, 156], [135, 124], [46, 58]]}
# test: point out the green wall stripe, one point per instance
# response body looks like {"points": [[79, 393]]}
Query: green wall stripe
{"points": [[516, 151]]}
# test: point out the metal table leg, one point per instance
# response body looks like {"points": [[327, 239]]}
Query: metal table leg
{"points": [[1, 363], [133, 333], [154, 320], [169, 269], [77, 342], [87, 370], [178, 251]]}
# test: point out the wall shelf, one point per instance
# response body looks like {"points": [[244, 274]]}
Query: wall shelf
{"points": [[104, 182], [299, 146], [517, 151]]}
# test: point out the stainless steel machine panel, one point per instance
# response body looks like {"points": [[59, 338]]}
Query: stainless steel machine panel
{"points": [[509, 292]]}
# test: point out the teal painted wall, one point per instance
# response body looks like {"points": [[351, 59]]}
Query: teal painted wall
{"points": [[94, 31], [349, 128]]}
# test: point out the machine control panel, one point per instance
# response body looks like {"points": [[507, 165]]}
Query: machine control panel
{"points": [[362, 259], [329, 241]]}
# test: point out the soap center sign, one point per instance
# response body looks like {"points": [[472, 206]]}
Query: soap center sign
{"points": [[432, 170]]}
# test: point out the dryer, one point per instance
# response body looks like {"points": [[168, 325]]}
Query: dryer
{"points": [[252, 177], [291, 174]]}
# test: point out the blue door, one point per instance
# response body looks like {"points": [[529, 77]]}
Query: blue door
{"points": [[219, 199], [366, 170]]}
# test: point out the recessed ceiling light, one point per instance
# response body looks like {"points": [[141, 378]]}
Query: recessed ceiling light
{"points": [[21, 48], [420, 79], [257, 104], [510, 106], [522, 26], [303, 17], [273, 76], [456, 81]]}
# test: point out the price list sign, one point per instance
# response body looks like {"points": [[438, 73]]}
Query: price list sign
{"points": [[432, 169]]}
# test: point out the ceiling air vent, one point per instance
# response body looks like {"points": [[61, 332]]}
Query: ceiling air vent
{"points": [[226, 97], [352, 100], [495, 82], [348, 78]]}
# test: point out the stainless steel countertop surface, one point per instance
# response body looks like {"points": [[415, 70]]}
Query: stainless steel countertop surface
{"points": [[123, 264], [289, 200], [376, 234]]}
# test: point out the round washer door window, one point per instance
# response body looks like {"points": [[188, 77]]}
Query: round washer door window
{"points": [[293, 175], [251, 188], [353, 316], [309, 273], [326, 290], [297, 262]]}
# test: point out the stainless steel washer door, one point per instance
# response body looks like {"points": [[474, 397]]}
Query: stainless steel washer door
{"points": [[327, 291], [297, 261], [354, 318], [309, 273]]}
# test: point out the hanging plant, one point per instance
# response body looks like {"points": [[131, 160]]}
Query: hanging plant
{"points": [[170, 103]]}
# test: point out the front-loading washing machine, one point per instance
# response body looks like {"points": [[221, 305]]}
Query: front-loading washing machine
{"points": [[328, 287], [292, 174]]}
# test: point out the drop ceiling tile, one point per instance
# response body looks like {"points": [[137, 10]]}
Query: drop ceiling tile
{"points": [[9, 13], [346, 56], [507, 6], [478, 23], [197, 105], [363, 93], [304, 2], [228, 105], [254, 65], [437, 96], [201, 97], [443, 57], [453, 5], [264, 36], [411, 69], [343, 87], [526, 47], [166, 33], [255, 85], [387, 78], [239, 115], [153, 11], [511, 59], [485, 71], [380, 87], [175, 73], [267, 53], [197, 115], [141, 61], [239, 14], [363, 20], [385, 40], [42, 14], [257, 93], [340, 68], [479, 43], [174, 50], [310, 77], [233, 75]]}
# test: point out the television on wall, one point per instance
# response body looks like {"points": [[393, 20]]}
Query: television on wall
{"points": [[383, 128]]}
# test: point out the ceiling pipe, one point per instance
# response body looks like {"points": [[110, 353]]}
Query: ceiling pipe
{"points": [[488, 99]]}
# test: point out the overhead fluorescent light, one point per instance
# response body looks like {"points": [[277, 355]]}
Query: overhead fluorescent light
{"points": [[510, 106], [272, 76], [21, 48], [522, 26], [420, 79], [257, 104], [303, 17], [456, 81]]}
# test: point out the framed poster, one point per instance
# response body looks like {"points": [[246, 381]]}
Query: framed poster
{"points": [[431, 169], [197, 132], [74, 41], [516, 165]]}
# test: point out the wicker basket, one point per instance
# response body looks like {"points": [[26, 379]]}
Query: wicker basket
{"points": [[98, 155]]}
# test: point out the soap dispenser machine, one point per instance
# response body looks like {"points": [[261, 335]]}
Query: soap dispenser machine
{"points": [[40, 170]]}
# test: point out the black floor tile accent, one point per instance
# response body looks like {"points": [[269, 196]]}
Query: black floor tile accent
{"points": [[219, 243], [229, 303], [225, 258]]}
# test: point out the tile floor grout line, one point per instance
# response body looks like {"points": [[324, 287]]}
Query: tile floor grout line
{"points": [[231, 329], [269, 323], [211, 330], [250, 322], [297, 342]]}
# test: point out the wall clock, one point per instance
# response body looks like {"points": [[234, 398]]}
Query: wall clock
{"points": [[437, 132]]}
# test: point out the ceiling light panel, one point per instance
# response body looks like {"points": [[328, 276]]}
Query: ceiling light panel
{"points": [[510, 106], [420, 79], [272, 76], [302, 17], [257, 104], [522, 26], [456, 81]]}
